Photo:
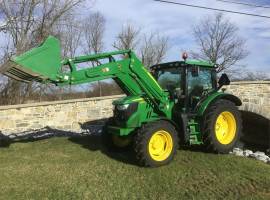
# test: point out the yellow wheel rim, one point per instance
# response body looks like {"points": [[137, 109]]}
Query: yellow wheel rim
{"points": [[160, 145], [225, 127]]}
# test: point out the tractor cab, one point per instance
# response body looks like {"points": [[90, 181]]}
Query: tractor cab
{"points": [[186, 81]]}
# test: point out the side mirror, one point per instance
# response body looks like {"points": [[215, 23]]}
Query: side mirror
{"points": [[223, 80], [195, 71]]}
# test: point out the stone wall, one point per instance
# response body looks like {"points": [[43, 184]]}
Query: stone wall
{"points": [[255, 96], [69, 115], [72, 115]]}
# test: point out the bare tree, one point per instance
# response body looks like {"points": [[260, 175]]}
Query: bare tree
{"points": [[26, 24], [219, 42], [153, 49], [254, 76], [94, 28], [70, 36], [29, 22], [109, 88], [128, 38]]}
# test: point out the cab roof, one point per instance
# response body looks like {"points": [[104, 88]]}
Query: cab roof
{"points": [[185, 63]]}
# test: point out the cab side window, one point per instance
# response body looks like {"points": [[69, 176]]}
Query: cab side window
{"points": [[197, 84]]}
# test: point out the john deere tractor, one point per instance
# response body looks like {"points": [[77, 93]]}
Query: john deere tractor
{"points": [[175, 103]]}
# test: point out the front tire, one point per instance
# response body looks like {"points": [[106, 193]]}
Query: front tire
{"points": [[155, 143], [222, 126], [114, 142]]}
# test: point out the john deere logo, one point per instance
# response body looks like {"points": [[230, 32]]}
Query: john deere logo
{"points": [[105, 69]]}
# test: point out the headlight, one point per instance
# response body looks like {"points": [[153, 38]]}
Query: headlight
{"points": [[122, 107], [123, 112]]}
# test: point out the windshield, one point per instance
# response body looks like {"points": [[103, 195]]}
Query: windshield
{"points": [[169, 77]]}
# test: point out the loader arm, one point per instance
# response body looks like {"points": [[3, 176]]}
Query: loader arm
{"points": [[43, 64], [130, 74]]}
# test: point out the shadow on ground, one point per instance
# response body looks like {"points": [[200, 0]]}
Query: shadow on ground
{"points": [[94, 143], [256, 131], [256, 137], [89, 138]]}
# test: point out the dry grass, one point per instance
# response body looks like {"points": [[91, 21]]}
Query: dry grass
{"points": [[79, 168]]}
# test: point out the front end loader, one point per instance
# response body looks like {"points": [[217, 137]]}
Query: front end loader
{"points": [[177, 103]]}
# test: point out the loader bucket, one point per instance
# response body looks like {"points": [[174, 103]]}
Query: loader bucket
{"points": [[38, 64]]}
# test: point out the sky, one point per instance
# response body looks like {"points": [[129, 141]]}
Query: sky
{"points": [[176, 23]]}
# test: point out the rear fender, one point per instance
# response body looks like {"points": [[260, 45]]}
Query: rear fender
{"points": [[201, 107]]}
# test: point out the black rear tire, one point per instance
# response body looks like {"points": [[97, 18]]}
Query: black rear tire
{"points": [[210, 126], [142, 143]]}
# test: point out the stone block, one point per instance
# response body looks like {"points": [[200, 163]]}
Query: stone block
{"points": [[7, 124], [76, 126], [22, 125]]}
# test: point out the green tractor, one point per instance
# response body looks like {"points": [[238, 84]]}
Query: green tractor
{"points": [[175, 103]]}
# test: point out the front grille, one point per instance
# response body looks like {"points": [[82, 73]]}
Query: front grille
{"points": [[121, 116]]}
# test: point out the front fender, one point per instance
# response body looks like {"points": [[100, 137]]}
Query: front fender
{"points": [[202, 106]]}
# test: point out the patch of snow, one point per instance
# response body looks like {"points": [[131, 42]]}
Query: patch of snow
{"points": [[258, 155]]}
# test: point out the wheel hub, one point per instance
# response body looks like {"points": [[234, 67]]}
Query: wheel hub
{"points": [[225, 127], [160, 145]]}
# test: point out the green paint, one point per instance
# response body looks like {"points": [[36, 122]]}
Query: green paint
{"points": [[211, 98], [200, 63], [195, 134], [39, 62], [145, 102], [190, 63]]}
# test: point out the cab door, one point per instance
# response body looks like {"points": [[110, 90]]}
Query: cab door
{"points": [[199, 83]]}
